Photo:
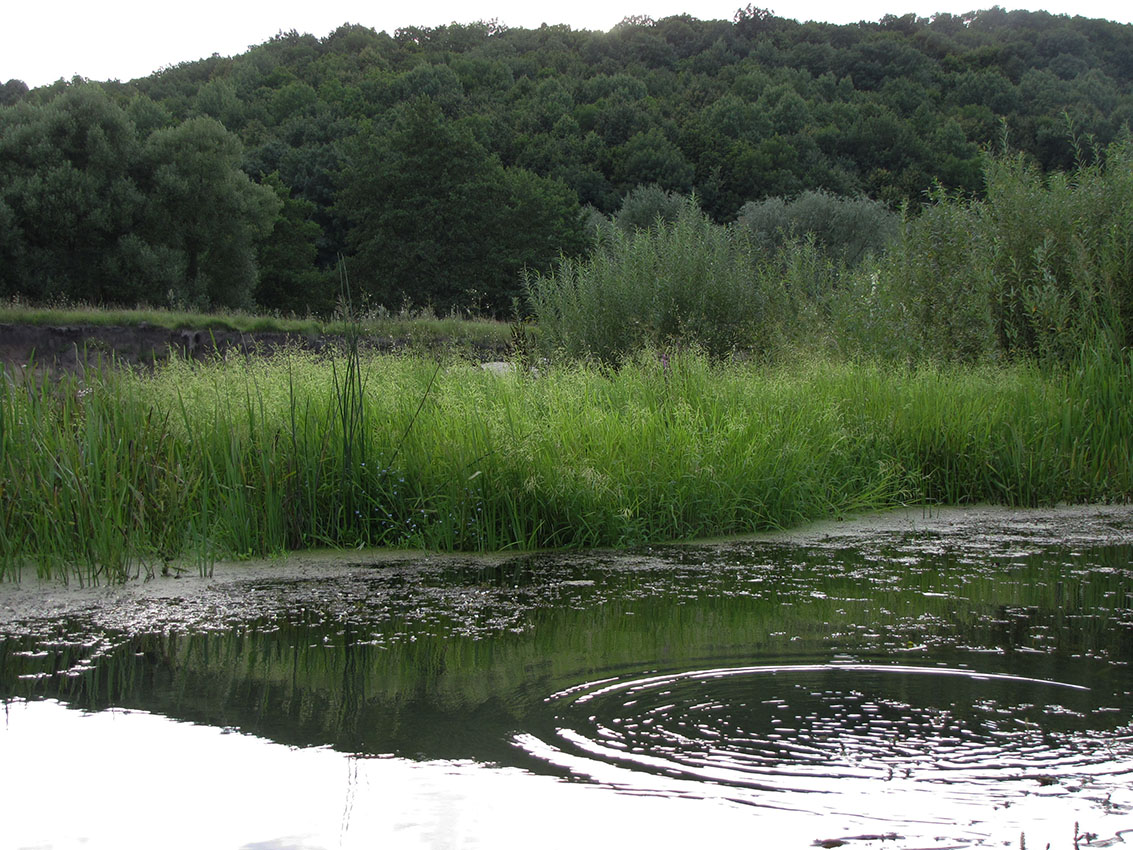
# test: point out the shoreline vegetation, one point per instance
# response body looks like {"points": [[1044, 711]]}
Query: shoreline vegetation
{"points": [[117, 473], [682, 382], [417, 330]]}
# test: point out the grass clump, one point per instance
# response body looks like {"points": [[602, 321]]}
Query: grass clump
{"points": [[118, 473]]}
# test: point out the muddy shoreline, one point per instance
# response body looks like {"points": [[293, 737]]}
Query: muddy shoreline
{"points": [[72, 348], [243, 591]]}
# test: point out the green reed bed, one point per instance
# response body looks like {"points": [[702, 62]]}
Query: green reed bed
{"points": [[114, 473]]}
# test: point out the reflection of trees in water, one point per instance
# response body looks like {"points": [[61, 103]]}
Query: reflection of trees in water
{"points": [[407, 682]]}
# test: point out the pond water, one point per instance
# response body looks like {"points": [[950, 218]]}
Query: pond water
{"points": [[934, 683]]}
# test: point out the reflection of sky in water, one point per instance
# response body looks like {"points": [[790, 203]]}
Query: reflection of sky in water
{"points": [[124, 780], [127, 780]]}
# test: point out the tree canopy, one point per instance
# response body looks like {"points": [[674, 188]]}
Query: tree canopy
{"points": [[96, 212], [442, 161]]}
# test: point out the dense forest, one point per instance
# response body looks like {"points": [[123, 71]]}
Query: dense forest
{"points": [[441, 163]]}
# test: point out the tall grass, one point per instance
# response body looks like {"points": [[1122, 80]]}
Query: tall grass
{"points": [[114, 473]]}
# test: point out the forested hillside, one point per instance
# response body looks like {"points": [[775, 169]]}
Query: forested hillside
{"points": [[442, 162]]}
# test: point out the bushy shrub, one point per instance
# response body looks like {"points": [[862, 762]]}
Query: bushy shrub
{"points": [[1060, 251], [1038, 268], [686, 283], [934, 288], [645, 206], [847, 229]]}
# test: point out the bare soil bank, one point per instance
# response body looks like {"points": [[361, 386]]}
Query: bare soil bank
{"points": [[74, 347]]}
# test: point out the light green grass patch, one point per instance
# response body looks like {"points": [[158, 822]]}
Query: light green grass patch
{"points": [[252, 457]]}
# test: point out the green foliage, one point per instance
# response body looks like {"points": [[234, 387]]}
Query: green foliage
{"points": [[12, 92], [689, 282], [645, 206], [847, 229], [207, 212], [1039, 268], [1060, 250], [438, 220], [119, 472], [734, 111], [650, 157], [69, 196], [447, 161], [290, 279], [94, 211], [933, 294]]}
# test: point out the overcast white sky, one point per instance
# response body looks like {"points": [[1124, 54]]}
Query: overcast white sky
{"points": [[124, 39]]}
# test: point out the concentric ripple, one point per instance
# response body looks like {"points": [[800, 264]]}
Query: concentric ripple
{"points": [[823, 738]]}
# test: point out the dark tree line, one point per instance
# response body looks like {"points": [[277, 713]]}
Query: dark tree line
{"points": [[91, 208], [443, 161]]}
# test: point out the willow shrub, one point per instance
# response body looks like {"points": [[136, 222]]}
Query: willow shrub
{"points": [[1036, 269], [687, 283], [117, 473], [1060, 250], [848, 229]]}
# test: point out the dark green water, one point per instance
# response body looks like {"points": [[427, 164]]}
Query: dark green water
{"points": [[907, 690]]}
